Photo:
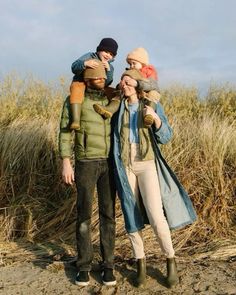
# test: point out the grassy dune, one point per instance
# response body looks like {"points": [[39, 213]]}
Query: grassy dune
{"points": [[36, 205]]}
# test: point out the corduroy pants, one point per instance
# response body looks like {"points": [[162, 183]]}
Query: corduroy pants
{"points": [[143, 179]]}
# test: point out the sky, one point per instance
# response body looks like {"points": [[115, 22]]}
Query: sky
{"points": [[190, 42]]}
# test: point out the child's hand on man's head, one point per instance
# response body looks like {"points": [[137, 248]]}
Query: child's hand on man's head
{"points": [[91, 63]]}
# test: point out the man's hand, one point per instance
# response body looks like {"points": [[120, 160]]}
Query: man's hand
{"points": [[91, 63], [68, 175]]}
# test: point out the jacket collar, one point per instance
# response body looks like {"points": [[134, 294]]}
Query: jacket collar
{"points": [[95, 91]]}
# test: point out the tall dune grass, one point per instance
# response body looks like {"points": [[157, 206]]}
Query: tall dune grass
{"points": [[36, 205]]}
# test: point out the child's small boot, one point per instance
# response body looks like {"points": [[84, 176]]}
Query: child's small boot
{"points": [[108, 110], [172, 275], [77, 90], [76, 113], [141, 272], [148, 119]]}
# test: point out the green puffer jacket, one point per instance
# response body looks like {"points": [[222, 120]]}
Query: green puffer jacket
{"points": [[92, 141]]}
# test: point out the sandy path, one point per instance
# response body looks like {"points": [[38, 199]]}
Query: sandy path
{"points": [[45, 276]]}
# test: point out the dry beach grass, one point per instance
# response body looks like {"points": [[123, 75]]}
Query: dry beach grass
{"points": [[35, 206]]}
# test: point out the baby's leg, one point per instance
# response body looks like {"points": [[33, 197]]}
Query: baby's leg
{"points": [[108, 110], [113, 105], [152, 98]]}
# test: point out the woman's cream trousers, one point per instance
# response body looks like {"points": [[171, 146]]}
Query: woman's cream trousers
{"points": [[143, 179]]}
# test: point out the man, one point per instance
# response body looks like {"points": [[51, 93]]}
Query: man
{"points": [[92, 169]]}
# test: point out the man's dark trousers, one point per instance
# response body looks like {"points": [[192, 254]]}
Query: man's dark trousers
{"points": [[88, 175]]}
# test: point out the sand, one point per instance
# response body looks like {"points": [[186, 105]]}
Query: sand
{"points": [[37, 272]]}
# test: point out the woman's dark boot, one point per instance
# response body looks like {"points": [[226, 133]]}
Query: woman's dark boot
{"points": [[141, 272], [172, 276]]}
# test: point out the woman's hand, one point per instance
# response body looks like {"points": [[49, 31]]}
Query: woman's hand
{"points": [[67, 171], [150, 111]]}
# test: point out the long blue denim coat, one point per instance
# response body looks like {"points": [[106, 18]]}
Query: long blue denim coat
{"points": [[177, 205]]}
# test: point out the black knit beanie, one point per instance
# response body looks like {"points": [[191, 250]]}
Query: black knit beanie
{"points": [[108, 44]]}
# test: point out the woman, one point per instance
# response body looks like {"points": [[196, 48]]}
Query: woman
{"points": [[146, 185]]}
